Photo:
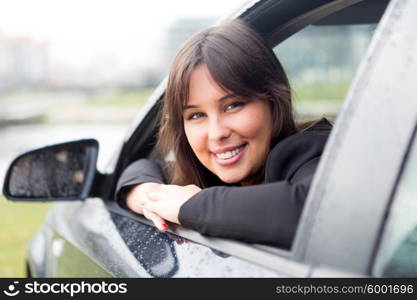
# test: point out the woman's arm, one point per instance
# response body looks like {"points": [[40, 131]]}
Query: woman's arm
{"points": [[135, 182], [141, 171], [266, 213]]}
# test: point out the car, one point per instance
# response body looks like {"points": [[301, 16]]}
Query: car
{"points": [[360, 215]]}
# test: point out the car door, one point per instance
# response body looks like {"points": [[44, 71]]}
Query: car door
{"points": [[117, 242]]}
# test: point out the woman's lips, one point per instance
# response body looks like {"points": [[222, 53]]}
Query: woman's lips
{"points": [[232, 160]]}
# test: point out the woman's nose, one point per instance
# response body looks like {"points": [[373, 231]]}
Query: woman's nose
{"points": [[218, 130]]}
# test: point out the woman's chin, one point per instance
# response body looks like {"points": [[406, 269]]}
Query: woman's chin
{"points": [[230, 179]]}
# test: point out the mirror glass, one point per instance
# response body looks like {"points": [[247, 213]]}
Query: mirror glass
{"points": [[59, 171]]}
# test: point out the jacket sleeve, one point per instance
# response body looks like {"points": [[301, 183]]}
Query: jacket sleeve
{"points": [[266, 214], [141, 171]]}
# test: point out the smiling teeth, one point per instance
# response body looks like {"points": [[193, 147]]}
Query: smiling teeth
{"points": [[228, 154]]}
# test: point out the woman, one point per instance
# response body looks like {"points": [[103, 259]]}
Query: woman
{"points": [[242, 168]]}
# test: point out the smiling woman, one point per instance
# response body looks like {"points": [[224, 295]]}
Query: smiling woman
{"points": [[229, 135], [242, 167]]}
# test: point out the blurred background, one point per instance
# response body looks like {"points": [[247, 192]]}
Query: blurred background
{"points": [[77, 69], [80, 69]]}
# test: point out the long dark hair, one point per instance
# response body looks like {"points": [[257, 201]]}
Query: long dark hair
{"points": [[240, 62]]}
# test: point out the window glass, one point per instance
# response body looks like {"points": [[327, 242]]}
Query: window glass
{"points": [[397, 256], [321, 61]]}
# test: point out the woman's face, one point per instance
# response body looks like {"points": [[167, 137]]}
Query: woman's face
{"points": [[230, 136]]}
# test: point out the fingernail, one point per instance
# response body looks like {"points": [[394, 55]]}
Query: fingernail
{"points": [[165, 226]]}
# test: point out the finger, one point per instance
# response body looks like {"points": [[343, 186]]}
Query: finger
{"points": [[157, 220]]}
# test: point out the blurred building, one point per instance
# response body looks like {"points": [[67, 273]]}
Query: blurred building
{"points": [[324, 54], [23, 62]]}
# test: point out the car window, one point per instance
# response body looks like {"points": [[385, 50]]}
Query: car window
{"points": [[321, 61], [397, 255]]}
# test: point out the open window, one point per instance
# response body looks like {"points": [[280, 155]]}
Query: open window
{"points": [[322, 59], [320, 50]]}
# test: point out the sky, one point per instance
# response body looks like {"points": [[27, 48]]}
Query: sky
{"points": [[124, 32]]}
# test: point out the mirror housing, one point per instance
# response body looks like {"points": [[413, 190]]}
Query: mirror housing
{"points": [[60, 172]]}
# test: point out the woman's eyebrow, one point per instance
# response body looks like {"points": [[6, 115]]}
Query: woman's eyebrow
{"points": [[184, 107], [227, 96]]}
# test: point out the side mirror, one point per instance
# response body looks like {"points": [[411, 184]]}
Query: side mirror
{"points": [[58, 172]]}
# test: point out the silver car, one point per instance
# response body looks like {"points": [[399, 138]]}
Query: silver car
{"points": [[360, 218]]}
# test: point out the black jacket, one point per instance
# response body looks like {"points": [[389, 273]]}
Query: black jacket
{"points": [[267, 213]]}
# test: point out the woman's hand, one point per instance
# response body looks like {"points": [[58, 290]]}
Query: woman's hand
{"points": [[166, 200], [135, 199]]}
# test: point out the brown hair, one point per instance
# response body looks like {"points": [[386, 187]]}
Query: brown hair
{"points": [[240, 62]]}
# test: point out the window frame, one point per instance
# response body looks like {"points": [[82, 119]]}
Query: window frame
{"points": [[380, 100], [375, 267]]}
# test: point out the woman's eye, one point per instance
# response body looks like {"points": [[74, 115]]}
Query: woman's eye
{"points": [[195, 116], [234, 105]]}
